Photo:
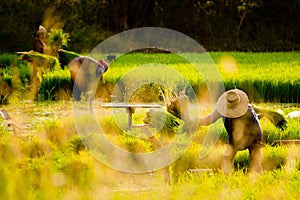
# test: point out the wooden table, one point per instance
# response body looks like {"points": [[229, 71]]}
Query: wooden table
{"points": [[130, 109]]}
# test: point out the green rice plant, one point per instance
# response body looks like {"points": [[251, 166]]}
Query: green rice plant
{"points": [[242, 160], [180, 167], [109, 125], [12, 89], [133, 144], [37, 148], [6, 59], [166, 124], [78, 170], [58, 132], [274, 157], [264, 76], [43, 62], [270, 185], [7, 76], [24, 72], [271, 133], [74, 144], [53, 82]]}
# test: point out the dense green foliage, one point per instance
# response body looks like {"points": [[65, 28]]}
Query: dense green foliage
{"points": [[247, 25]]}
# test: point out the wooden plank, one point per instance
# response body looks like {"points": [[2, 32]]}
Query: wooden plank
{"points": [[126, 105], [286, 142]]}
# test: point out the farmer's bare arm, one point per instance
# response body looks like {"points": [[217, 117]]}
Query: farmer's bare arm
{"points": [[211, 118]]}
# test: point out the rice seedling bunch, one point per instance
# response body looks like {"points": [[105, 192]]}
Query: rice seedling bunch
{"points": [[163, 121], [57, 39], [65, 57]]}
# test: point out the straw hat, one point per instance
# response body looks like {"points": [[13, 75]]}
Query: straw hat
{"points": [[41, 30], [233, 103]]}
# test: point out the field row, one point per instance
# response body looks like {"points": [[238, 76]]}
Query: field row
{"points": [[266, 77]]}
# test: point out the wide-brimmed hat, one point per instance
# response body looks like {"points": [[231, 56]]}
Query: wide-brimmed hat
{"points": [[233, 103]]}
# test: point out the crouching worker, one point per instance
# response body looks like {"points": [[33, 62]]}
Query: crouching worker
{"points": [[243, 128], [85, 73]]}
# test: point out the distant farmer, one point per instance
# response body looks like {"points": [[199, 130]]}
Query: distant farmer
{"points": [[85, 73], [38, 43], [243, 127]]}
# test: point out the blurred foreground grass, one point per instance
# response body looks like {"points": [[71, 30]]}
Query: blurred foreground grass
{"points": [[48, 160]]}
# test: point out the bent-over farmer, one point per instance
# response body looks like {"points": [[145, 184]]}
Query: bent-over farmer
{"points": [[243, 128], [85, 73]]}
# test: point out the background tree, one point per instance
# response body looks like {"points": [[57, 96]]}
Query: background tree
{"points": [[245, 25]]}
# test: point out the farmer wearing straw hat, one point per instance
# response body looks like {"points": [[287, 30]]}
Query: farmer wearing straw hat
{"points": [[85, 72], [243, 128], [38, 43]]}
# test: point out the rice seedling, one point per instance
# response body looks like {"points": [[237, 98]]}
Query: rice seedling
{"points": [[53, 82]]}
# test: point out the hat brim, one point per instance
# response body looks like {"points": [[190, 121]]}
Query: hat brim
{"points": [[234, 111]]}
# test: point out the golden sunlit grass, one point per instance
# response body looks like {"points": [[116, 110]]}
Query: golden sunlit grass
{"points": [[54, 163]]}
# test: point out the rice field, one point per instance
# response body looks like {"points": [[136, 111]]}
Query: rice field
{"points": [[266, 77], [45, 158]]}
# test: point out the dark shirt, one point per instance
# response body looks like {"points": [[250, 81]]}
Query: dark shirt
{"points": [[243, 132], [38, 45]]}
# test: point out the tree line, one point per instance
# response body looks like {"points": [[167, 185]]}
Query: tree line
{"points": [[218, 25]]}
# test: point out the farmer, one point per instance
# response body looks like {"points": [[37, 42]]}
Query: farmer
{"points": [[85, 72], [243, 128], [38, 43]]}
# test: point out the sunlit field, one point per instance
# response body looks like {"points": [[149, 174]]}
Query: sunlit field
{"points": [[42, 155]]}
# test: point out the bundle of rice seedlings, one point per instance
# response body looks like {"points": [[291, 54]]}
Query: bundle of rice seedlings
{"points": [[163, 121], [65, 57]]}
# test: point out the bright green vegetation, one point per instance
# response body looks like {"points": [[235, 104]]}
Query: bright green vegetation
{"points": [[266, 77]]}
